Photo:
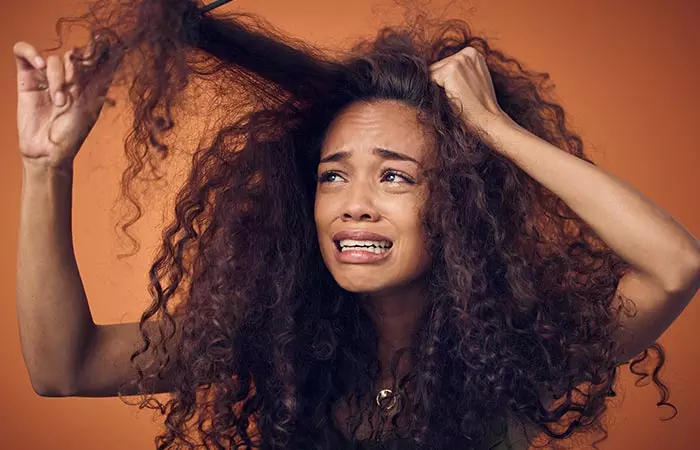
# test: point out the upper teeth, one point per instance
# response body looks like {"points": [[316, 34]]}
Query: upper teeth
{"points": [[353, 243]]}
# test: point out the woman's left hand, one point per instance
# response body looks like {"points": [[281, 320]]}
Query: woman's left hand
{"points": [[466, 80]]}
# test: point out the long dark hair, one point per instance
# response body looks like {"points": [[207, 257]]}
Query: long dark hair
{"points": [[522, 304]]}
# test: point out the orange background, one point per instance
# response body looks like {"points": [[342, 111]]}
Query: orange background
{"points": [[625, 74]]}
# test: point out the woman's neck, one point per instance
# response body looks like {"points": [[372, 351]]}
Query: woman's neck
{"points": [[395, 315]]}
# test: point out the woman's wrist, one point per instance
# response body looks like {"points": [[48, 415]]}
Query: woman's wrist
{"points": [[43, 167]]}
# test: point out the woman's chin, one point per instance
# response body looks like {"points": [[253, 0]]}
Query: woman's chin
{"points": [[360, 286], [357, 288]]}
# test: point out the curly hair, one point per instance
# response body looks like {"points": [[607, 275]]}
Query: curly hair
{"points": [[522, 312]]}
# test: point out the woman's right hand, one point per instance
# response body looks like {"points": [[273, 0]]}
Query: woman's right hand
{"points": [[52, 127]]}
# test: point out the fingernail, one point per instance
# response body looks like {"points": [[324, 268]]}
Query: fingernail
{"points": [[39, 61], [60, 98]]}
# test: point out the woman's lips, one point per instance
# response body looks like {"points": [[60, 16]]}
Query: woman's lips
{"points": [[359, 235], [359, 256]]}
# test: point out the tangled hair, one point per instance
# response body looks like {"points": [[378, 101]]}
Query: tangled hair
{"points": [[258, 338]]}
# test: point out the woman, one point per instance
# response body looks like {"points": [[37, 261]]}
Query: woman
{"points": [[403, 246]]}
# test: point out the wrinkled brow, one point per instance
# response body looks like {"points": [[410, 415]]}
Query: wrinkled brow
{"points": [[381, 152]]}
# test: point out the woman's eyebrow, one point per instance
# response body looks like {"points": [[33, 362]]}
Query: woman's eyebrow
{"points": [[381, 152]]}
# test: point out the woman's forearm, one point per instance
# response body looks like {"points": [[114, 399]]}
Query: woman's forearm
{"points": [[633, 226], [53, 314]]}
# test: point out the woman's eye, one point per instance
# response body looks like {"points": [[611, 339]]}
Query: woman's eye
{"points": [[394, 177], [327, 177]]}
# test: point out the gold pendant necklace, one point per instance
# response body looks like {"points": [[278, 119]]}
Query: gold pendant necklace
{"points": [[387, 400]]}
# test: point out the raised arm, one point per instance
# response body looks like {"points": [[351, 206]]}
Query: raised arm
{"points": [[65, 352], [664, 255]]}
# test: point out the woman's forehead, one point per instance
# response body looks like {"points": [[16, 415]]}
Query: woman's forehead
{"points": [[365, 127]]}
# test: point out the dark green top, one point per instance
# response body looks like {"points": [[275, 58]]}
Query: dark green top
{"points": [[403, 444], [392, 444]]}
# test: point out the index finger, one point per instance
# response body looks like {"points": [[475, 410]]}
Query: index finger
{"points": [[27, 57]]}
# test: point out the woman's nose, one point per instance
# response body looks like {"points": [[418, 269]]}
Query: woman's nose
{"points": [[359, 206]]}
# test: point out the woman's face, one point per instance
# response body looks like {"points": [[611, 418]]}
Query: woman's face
{"points": [[369, 195]]}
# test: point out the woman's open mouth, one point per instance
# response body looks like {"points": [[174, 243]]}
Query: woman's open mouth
{"points": [[361, 251]]}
